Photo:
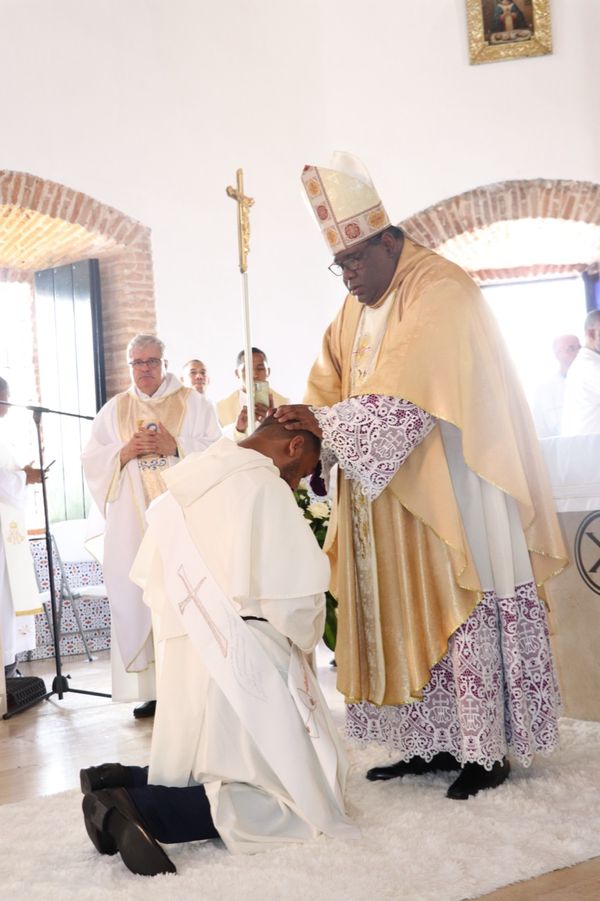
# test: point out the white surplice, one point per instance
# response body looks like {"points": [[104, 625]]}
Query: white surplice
{"points": [[19, 598], [249, 533], [119, 496]]}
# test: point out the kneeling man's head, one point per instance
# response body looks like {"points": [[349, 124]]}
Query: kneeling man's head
{"points": [[294, 453]]}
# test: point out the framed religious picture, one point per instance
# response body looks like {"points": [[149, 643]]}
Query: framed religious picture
{"points": [[508, 29]]}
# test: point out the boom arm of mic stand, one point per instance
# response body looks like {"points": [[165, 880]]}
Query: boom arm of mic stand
{"points": [[37, 412]]}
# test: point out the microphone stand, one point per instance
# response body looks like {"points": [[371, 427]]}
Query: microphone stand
{"points": [[60, 685]]}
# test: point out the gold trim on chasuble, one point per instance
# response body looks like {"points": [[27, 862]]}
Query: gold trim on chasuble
{"points": [[364, 355], [13, 536], [169, 411]]}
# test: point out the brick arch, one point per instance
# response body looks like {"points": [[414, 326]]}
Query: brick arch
{"points": [[45, 224], [516, 229]]}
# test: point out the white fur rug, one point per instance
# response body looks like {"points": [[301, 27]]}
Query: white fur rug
{"points": [[416, 845]]}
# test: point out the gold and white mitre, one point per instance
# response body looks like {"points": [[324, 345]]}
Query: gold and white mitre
{"points": [[344, 201]]}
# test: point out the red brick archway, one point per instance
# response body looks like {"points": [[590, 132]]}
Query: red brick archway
{"points": [[44, 224], [516, 229]]}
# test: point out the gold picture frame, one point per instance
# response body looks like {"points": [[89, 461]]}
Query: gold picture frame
{"points": [[508, 29]]}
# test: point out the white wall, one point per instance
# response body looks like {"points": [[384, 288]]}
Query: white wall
{"points": [[151, 105]]}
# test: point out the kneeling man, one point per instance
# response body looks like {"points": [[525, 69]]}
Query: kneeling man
{"points": [[243, 746]]}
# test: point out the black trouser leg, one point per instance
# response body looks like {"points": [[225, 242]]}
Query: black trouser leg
{"points": [[174, 814], [137, 776]]}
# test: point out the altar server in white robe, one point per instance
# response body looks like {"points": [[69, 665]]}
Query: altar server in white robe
{"points": [[136, 437], [243, 745], [19, 599]]}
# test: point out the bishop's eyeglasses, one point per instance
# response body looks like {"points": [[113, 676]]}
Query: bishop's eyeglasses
{"points": [[355, 261]]}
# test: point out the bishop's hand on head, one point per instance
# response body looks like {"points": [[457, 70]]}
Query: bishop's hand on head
{"points": [[298, 416]]}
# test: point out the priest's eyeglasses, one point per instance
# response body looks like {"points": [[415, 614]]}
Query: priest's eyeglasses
{"points": [[151, 363], [355, 261]]}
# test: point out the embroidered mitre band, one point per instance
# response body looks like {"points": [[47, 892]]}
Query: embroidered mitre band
{"points": [[344, 202]]}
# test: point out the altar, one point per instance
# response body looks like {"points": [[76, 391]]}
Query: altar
{"points": [[574, 595]]}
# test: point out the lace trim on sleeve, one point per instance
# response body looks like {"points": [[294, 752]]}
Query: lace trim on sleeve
{"points": [[371, 436]]}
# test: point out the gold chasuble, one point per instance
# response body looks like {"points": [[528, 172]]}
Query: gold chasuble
{"points": [[134, 413], [402, 570]]}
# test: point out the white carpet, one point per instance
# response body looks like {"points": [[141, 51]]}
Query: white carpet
{"points": [[415, 846]]}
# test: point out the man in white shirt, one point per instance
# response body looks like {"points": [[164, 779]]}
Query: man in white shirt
{"points": [[581, 412], [136, 437], [549, 398]]}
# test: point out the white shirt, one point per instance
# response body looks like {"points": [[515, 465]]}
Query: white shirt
{"points": [[547, 406], [581, 411]]}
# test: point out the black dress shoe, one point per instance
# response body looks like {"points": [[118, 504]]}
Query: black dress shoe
{"points": [[148, 708], [107, 775], [113, 821], [416, 766], [475, 778]]}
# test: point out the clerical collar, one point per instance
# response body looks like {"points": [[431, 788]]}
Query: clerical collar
{"points": [[169, 384], [162, 388]]}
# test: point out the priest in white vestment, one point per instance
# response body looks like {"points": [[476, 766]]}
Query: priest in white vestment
{"points": [[581, 410], [235, 580], [19, 597], [136, 437]]}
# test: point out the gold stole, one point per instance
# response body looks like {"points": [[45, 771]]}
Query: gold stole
{"points": [[369, 334], [19, 562], [134, 413]]}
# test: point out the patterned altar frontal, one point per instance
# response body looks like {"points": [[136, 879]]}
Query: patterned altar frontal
{"points": [[93, 611], [346, 205]]}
